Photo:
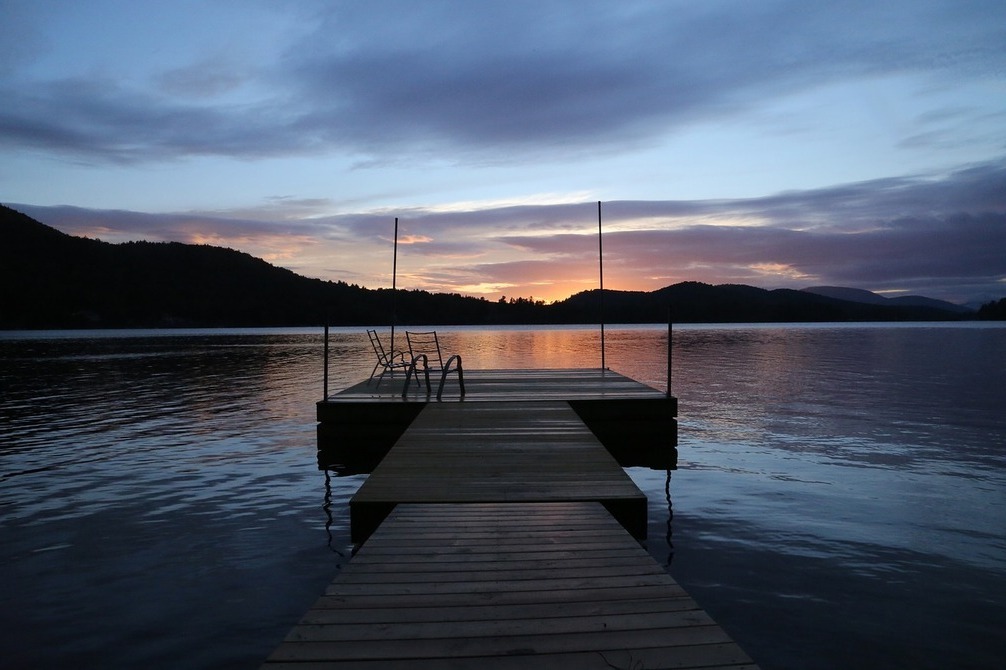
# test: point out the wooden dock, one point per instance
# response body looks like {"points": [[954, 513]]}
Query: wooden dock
{"points": [[501, 532], [505, 586]]}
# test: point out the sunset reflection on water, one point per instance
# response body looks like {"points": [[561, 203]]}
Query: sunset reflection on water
{"points": [[168, 481]]}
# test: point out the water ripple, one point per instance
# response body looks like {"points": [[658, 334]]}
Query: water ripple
{"points": [[161, 496]]}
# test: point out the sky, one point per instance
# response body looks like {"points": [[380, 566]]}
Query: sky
{"points": [[775, 143]]}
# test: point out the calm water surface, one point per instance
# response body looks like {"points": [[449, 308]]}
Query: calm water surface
{"points": [[841, 497]]}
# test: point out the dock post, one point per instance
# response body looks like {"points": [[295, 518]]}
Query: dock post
{"points": [[325, 383], [600, 267], [394, 292], [670, 333]]}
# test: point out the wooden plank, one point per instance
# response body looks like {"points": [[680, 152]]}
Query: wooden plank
{"points": [[708, 657], [386, 611], [584, 661], [457, 629], [527, 645], [498, 612], [491, 586], [464, 564], [636, 592]]}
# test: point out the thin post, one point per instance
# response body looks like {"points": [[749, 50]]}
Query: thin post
{"points": [[670, 333], [325, 385], [394, 291], [600, 265]]}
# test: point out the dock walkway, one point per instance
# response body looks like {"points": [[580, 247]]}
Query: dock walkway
{"points": [[505, 587]]}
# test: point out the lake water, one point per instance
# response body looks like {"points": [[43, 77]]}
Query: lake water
{"points": [[840, 502]]}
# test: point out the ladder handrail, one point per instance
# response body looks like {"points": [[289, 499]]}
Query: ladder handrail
{"points": [[447, 368], [412, 368]]}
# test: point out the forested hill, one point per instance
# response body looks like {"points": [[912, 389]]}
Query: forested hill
{"points": [[53, 280]]}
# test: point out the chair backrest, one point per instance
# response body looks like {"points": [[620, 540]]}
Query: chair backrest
{"points": [[426, 343], [375, 341]]}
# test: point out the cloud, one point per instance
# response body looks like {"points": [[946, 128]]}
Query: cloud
{"points": [[945, 235], [497, 83], [538, 77], [208, 78], [940, 235]]}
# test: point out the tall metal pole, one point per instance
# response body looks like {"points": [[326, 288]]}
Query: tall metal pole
{"points": [[325, 382], [600, 264], [394, 290], [670, 335]]}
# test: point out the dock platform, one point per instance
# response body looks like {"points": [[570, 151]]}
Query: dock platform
{"points": [[502, 587], [635, 422]]}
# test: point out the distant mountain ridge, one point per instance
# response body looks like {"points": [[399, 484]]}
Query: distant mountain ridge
{"points": [[869, 297], [53, 280], [695, 302]]}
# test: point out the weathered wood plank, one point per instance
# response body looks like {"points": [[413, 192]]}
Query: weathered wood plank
{"points": [[569, 562], [708, 657], [536, 610], [527, 645], [492, 586], [457, 629], [583, 595]]}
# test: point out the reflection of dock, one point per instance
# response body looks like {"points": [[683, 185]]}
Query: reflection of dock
{"points": [[499, 532]]}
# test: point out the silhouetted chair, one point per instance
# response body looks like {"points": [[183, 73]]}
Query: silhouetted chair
{"points": [[424, 350], [387, 362]]}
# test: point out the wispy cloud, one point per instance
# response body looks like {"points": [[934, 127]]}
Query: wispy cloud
{"points": [[501, 83]]}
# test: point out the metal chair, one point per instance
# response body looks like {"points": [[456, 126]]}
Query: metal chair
{"points": [[424, 349], [387, 362]]}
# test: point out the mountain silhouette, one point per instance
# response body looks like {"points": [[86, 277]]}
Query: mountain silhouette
{"points": [[54, 280], [861, 295], [695, 302]]}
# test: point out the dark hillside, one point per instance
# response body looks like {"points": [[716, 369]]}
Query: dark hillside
{"points": [[53, 280]]}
